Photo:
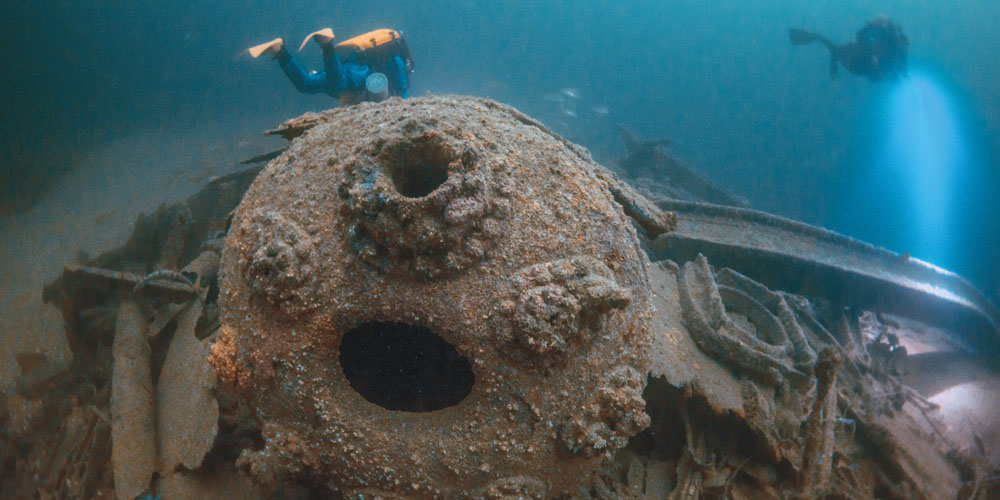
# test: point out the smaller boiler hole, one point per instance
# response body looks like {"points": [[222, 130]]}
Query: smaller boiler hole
{"points": [[404, 367], [417, 168]]}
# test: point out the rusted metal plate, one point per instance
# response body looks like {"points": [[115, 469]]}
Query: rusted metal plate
{"points": [[106, 279], [807, 260]]}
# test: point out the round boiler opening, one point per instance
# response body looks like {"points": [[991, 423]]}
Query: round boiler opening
{"points": [[417, 168], [404, 367]]}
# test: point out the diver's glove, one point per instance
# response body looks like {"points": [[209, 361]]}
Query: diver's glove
{"points": [[323, 37]]}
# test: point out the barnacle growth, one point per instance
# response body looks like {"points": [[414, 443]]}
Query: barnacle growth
{"points": [[435, 298]]}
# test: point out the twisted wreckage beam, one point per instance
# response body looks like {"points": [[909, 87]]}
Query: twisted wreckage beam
{"points": [[806, 260]]}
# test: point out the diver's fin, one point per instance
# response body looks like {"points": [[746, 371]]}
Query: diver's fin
{"points": [[322, 36], [266, 48], [801, 37]]}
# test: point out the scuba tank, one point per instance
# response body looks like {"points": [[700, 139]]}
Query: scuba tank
{"points": [[375, 49]]}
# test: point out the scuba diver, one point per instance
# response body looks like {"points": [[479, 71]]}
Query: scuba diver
{"points": [[879, 51], [368, 67]]}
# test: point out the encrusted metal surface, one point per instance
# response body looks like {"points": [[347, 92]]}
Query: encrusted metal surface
{"points": [[799, 258]]}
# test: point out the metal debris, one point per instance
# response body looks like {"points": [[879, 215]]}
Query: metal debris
{"points": [[806, 260], [133, 432]]}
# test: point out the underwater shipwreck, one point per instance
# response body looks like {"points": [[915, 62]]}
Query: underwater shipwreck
{"points": [[439, 298]]}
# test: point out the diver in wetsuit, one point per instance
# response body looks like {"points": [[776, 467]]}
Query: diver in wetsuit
{"points": [[879, 51], [368, 67]]}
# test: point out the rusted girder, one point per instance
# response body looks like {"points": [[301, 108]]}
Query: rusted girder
{"points": [[807, 260], [109, 280]]}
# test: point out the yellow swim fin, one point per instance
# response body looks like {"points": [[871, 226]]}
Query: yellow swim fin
{"points": [[266, 48], [324, 35]]}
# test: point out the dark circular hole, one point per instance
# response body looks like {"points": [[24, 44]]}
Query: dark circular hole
{"points": [[417, 168], [404, 367], [419, 179]]}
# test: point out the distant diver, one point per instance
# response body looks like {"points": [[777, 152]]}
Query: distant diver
{"points": [[368, 67], [879, 52]]}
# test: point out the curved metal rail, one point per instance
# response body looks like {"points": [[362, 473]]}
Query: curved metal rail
{"points": [[807, 260]]}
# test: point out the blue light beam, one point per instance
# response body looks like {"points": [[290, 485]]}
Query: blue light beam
{"points": [[926, 147]]}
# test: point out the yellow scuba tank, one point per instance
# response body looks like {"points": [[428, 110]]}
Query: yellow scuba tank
{"points": [[371, 39], [375, 48]]}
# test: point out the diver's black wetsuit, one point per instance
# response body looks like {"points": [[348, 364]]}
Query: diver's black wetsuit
{"points": [[879, 51]]}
